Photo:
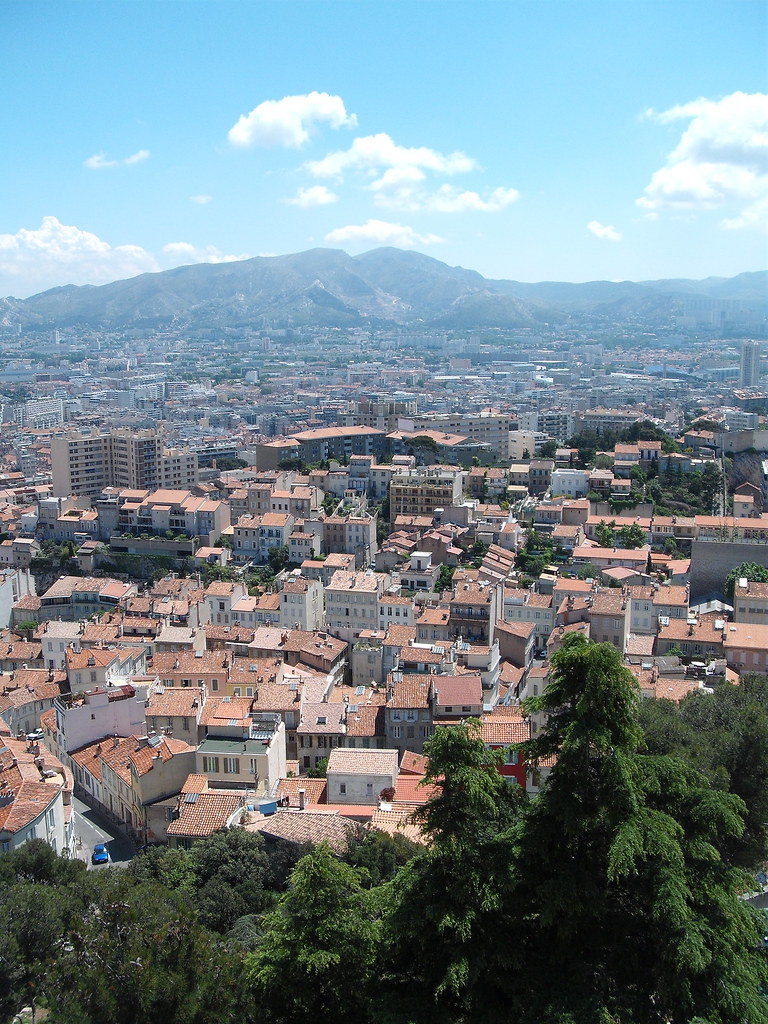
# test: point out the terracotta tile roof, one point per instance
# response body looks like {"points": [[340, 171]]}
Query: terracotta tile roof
{"points": [[210, 812], [497, 730], [308, 827], [413, 764], [195, 784], [365, 762], [411, 789], [221, 710], [175, 702], [399, 636], [457, 690], [398, 820], [368, 720], [314, 790], [412, 691], [322, 719]]}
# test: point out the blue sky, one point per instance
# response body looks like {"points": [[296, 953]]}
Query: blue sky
{"points": [[534, 141]]}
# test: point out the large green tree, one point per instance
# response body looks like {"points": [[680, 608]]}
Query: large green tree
{"points": [[317, 955], [724, 733], [446, 929], [621, 883]]}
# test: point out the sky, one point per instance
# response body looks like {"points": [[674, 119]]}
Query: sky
{"points": [[532, 140]]}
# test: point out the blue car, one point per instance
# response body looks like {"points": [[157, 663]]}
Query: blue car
{"points": [[100, 854]]}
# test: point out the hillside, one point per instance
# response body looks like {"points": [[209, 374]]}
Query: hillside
{"points": [[328, 288]]}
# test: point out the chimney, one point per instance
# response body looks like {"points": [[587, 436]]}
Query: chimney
{"points": [[302, 798]]}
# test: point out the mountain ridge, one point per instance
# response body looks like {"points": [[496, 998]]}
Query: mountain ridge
{"points": [[385, 286]]}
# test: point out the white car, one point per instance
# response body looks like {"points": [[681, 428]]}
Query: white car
{"points": [[33, 737]]}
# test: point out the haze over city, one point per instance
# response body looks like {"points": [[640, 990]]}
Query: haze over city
{"points": [[526, 141]]}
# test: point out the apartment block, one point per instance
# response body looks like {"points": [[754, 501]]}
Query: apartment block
{"points": [[87, 463]]}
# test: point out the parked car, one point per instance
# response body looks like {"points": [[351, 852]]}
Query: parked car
{"points": [[100, 854], [33, 737]]}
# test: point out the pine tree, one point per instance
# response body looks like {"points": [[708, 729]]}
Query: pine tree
{"points": [[631, 914]]}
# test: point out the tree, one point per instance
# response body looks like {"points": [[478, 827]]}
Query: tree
{"points": [[319, 771], [230, 868], [750, 571], [620, 875], [632, 536], [278, 558], [444, 578], [136, 952], [378, 856], [446, 930], [606, 533], [317, 956], [724, 734]]}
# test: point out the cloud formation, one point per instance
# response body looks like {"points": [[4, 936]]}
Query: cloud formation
{"points": [[382, 233], [313, 195], [201, 199], [721, 160], [99, 161], [183, 252], [32, 260], [607, 232], [380, 154], [288, 122], [395, 194]]}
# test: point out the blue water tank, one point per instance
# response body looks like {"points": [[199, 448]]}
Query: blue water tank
{"points": [[268, 807]]}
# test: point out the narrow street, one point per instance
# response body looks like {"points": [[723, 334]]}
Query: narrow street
{"points": [[91, 828]]}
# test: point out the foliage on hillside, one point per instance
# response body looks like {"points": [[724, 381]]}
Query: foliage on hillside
{"points": [[611, 898]]}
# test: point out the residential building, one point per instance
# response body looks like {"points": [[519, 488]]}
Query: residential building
{"points": [[361, 776], [86, 463], [35, 797]]}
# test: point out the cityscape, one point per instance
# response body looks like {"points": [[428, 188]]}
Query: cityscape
{"points": [[383, 604]]}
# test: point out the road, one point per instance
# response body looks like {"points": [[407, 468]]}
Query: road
{"points": [[92, 828]]}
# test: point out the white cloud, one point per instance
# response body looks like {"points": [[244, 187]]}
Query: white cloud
{"points": [[201, 199], [382, 233], [99, 161], [605, 231], [56, 254], [314, 195], [33, 260], [287, 122], [720, 161], [183, 252], [379, 153], [447, 199]]}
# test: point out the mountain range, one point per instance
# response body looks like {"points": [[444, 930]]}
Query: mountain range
{"points": [[387, 286]]}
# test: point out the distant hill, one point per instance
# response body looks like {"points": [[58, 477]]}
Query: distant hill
{"points": [[328, 288]]}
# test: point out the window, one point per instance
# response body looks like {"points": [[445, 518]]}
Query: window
{"points": [[210, 764], [397, 731], [185, 724], [409, 731], [342, 788], [369, 789], [231, 765]]}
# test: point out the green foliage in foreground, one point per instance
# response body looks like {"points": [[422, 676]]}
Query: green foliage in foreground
{"points": [[611, 898]]}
